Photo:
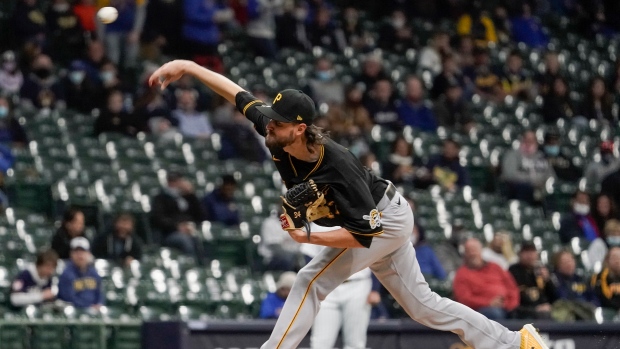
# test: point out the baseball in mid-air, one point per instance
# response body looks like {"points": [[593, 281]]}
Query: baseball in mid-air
{"points": [[107, 14]]}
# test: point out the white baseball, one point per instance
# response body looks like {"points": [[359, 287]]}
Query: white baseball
{"points": [[107, 15]]}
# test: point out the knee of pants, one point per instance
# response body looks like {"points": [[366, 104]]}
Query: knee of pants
{"points": [[307, 280]]}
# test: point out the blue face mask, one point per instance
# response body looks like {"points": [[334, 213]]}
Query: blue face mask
{"points": [[107, 76], [324, 75], [4, 112], [552, 150], [76, 77], [613, 240]]}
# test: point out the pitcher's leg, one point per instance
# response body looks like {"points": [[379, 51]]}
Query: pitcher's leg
{"points": [[356, 313], [400, 274], [327, 322]]}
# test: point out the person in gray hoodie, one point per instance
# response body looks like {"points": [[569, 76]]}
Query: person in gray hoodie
{"points": [[525, 171]]}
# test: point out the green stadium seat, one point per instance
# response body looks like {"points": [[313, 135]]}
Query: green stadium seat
{"points": [[125, 336], [14, 336], [88, 336]]}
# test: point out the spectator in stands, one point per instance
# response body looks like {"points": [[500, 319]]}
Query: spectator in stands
{"points": [[600, 246], [525, 171], [351, 119], [86, 12], [579, 223], [192, 123], [79, 284], [432, 56], [94, 60], [381, 106], [415, 110], [562, 164], [11, 132], [323, 32], [111, 81], [42, 88], [603, 166], [240, 141], [162, 36], [115, 118], [33, 285], [261, 27], [153, 108], [605, 209], [271, 306], [465, 51], [557, 103], [546, 80], [486, 82], [515, 80], [575, 297], [291, 28], [279, 251], [122, 37], [175, 213], [66, 34], [607, 282], [484, 286], [478, 24], [11, 77], [400, 166], [598, 103], [499, 250], [120, 245], [533, 279], [71, 226], [186, 82], [355, 36], [372, 71], [201, 30], [446, 170], [325, 87], [80, 91], [452, 110], [528, 29], [220, 204], [28, 22], [450, 75], [427, 259], [448, 251], [397, 35]]}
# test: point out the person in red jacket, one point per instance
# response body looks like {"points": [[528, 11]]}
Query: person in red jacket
{"points": [[484, 286]]}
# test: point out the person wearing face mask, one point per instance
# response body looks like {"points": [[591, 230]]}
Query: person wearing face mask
{"points": [[562, 165], [42, 89], [599, 247], [578, 223], [80, 89], [324, 87], [525, 171], [397, 35], [11, 78], [603, 165], [11, 132], [65, 31]]}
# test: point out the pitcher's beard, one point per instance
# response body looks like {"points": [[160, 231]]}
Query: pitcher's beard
{"points": [[276, 144]]}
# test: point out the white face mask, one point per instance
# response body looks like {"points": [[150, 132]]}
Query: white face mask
{"points": [[581, 209]]}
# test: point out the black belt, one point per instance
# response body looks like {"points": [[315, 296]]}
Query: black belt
{"points": [[390, 191]]}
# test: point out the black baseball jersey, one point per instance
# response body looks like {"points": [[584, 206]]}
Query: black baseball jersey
{"points": [[351, 191]]}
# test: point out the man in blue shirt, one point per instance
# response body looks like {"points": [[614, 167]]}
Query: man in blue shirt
{"points": [[272, 304], [33, 285], [414, 110], [79, 283], [219, 205]]}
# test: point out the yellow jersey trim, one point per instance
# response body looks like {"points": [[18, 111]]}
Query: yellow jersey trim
{"points": [[250, 104], [318, 163]]}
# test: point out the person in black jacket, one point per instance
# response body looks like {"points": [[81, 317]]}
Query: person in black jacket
{"points": [[557, 103], [120, 245], [537, 290], [176, 212], [72, 226], [28, 22], [563, 166]]}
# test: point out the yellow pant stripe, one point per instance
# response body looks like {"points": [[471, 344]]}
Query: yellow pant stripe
{"points": [[301, 304]]}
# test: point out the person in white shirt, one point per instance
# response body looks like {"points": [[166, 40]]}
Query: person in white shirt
{"points": [[192, 123], [599, 247], [500, 251]]}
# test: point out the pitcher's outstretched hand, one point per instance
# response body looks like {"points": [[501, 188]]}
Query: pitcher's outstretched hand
{"points": [[169, 72]]}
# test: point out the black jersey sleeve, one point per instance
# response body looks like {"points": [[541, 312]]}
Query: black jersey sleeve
{"points": [[246, 104], [357, 209]]}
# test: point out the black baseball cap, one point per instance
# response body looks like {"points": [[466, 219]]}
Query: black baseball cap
{"points": [[290, 106]]}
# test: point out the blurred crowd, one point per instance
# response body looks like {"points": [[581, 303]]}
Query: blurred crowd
{"points": [[59, 56]]}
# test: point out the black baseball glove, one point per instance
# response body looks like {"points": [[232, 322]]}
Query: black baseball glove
{"points": [[302, 204]]}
